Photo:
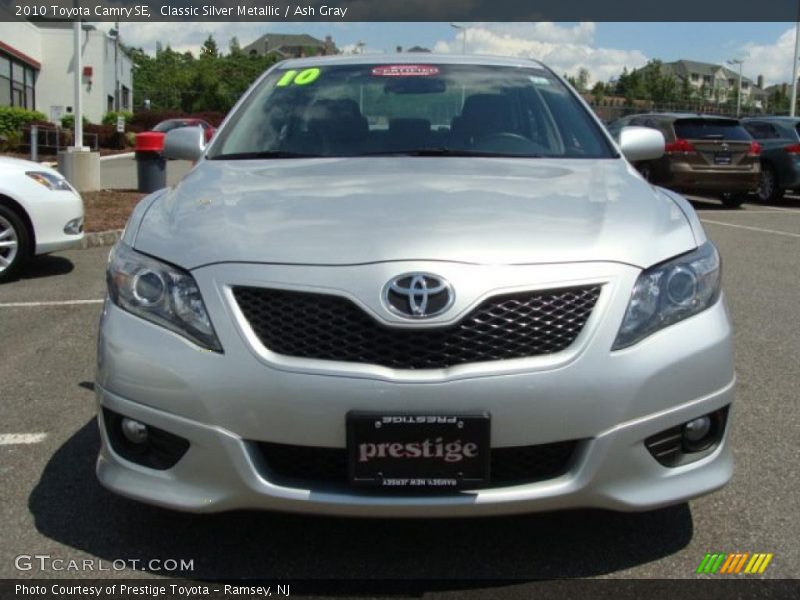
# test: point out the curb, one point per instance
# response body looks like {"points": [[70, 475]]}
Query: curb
{"points": [[96, 239]]}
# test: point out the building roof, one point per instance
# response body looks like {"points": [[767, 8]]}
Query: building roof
{"points": [[270, 42], [685, 67]]}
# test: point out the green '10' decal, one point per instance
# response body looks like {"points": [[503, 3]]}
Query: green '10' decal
{"points": [[304, 77]]}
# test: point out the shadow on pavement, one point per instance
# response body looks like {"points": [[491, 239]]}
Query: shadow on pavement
{"points": [[70, 507], [46, 266]]}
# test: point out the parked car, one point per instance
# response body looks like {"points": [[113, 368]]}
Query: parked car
{"points": [[395, 289], [40, 212], [780, 154], [170, 124], [703, 154]]}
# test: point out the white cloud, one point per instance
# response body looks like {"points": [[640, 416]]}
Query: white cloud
{"points": [[565, 49], [773, 61]]}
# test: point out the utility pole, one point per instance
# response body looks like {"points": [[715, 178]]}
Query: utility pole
{"points": [[740, 62]]}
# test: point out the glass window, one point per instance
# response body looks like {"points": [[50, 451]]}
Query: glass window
{"points": [[29, 98], [708, 129], [30, 76], [375, 109], [18, 72], [5, 67], [5, 91]]}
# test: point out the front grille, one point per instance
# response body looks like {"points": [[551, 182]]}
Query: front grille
{"points": [[310, 466], [327, 327]]}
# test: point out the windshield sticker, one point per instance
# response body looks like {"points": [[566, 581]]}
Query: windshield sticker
{"points": [[539, 80], [405, 71], [302, 78]]}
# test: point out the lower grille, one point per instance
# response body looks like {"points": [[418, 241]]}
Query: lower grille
{"points": [[503, 327], [310, 466]]}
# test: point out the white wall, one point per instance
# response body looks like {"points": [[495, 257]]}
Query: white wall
{"points": [[23, 37]]}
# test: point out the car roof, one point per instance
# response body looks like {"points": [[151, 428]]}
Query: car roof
{"points": [[411, 58], [682, 115]]}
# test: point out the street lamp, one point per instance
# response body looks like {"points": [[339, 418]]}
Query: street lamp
{"points": [[463, 30], [740, 62], [794, 67]]}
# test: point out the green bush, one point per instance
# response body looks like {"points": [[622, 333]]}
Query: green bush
{"points": [[110, 118], [68, 121], [13, 118], [9, 142]]}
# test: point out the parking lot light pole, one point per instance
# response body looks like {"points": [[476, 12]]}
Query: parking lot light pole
{"points": [[78, 109], [740, 62], [793, 105], [463, 30]]}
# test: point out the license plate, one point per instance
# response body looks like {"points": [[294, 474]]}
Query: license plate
{"points": [[722, 158], [412, 451]]}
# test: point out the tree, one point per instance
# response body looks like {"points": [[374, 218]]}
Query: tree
{"points": [[180, 81], [599, 91], [209, 48]]}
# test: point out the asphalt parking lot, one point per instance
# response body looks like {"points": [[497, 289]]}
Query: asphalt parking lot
{"points": [[51, 503]]}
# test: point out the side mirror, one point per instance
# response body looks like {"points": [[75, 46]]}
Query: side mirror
{"points": [[185, 143], [641, 143]]}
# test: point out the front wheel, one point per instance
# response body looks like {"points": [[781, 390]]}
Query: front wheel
{"points": [[768, 188], [13, 243], [734, 200]]}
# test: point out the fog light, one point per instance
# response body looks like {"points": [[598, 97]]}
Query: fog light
{"points": [[74, 227], [134, 431], [694, 431]]}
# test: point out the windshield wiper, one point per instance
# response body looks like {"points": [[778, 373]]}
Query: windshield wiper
{"points": [[448, 152], [263, 154]]}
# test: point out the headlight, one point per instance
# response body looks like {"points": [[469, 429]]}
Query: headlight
{"points": [[671, 292], [159, 293], [50, 181]]}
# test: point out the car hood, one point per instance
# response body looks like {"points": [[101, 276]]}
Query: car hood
{"points": [[338, 211]]}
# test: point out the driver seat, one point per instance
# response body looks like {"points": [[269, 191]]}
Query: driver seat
{"points": [[482, 115]]}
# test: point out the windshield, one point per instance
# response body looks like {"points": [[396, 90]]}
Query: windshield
{"points": [[419, 109]]}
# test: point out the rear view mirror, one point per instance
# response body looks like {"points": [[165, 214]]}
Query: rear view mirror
{"points": [[185, 143], [415, 85], [641, 143]]}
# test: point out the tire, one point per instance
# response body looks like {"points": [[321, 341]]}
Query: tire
{"points": [[14, 244], [768, 188], [734, 200]]}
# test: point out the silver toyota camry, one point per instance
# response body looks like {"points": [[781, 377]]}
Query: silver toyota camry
{"points": [[414, 286]]}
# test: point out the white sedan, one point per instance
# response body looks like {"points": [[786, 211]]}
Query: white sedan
{"points": [[40, 212]]}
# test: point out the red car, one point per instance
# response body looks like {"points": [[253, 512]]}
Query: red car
{"points": [[171, 124]]}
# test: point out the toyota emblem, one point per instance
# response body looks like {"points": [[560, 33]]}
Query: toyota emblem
{"points": [[418, 295]]}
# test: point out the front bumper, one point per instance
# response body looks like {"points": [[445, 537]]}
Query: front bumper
{"points": [[50, 212], [222, 403]]}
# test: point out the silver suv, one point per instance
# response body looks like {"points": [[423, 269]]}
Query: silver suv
{"points": [[428, 289]]}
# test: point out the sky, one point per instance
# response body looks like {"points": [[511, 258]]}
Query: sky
{"points": [[602, 48]]}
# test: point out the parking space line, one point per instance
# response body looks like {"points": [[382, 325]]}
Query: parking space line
{"points": [[775, 209], [11, 439], [748, 227], [52, 303]]}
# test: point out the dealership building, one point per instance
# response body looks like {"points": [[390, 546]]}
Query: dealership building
{"points": [[37, 69]]}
